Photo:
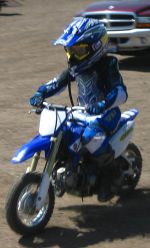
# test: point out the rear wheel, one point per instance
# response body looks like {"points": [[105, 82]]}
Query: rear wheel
{"points": [[20, 206], [130, 168]]}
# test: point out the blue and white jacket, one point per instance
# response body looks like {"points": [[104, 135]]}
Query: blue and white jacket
{"points": [[102, 81]]}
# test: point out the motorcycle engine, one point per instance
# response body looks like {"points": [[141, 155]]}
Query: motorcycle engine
{"points": [[74, 180], [66, 178]]}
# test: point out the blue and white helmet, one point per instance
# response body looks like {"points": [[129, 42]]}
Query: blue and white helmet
{"points": [[85, 41]]}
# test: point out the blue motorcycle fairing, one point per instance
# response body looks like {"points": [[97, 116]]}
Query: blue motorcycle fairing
{"points": [[74, 134], [37, 144], [126, 116], [42, 143]]}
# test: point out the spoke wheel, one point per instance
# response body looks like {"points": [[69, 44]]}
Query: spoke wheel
{"points": [[20, 206], [130, 168]]}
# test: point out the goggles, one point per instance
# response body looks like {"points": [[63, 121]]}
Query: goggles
{"points": [[78, 51]]}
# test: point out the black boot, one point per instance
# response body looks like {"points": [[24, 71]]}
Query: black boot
{"points": [[105, 193]]}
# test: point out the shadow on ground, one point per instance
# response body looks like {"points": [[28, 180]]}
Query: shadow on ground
{"points": [[138, 63], [97, 223], [10, 14]]}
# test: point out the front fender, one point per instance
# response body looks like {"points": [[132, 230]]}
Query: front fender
{"points": [[37, 144]]}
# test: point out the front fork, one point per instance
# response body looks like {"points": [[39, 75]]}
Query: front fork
{"points": [[34, 163], [44, 185]]}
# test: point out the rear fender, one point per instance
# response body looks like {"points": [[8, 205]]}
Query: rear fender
{"points": [[37, 144]]}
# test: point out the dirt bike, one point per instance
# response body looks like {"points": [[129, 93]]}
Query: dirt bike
{"points": [[68, 168]]}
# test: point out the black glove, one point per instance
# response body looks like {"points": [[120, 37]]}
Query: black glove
{"points": [[37, 99], [96, 108]]}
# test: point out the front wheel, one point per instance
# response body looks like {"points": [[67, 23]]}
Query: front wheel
{"points": [[20, 206]]}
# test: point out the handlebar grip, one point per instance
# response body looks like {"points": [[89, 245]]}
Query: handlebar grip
{"points": [[57, 107]]}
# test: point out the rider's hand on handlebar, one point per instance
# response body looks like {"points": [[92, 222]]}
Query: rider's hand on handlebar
{"points": [[96, 108], [37, 99]]}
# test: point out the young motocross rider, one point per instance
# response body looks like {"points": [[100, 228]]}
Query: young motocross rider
{"points": [[100, 85]]}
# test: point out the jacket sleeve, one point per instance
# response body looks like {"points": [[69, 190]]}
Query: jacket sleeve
{"points": [[116, 91], [56, 85]]}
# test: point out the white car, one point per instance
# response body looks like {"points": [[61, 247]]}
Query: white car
{"points": [[127, 23]]}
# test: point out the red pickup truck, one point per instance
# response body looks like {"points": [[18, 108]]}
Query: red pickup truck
{"points": [[127, 22]]}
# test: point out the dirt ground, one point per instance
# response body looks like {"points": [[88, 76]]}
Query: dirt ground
{"points": [[27, 59]]}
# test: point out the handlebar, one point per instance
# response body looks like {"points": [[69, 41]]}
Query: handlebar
{"points": [[62, 107], [57, 107]]}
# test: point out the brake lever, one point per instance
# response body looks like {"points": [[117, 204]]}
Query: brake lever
{"points": [[36, 111], [31, 111]]}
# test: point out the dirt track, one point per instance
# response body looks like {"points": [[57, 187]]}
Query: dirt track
{"points": [[26, 60]]}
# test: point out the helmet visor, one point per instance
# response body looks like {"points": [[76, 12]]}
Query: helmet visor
{"points": [[80, 51]]}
